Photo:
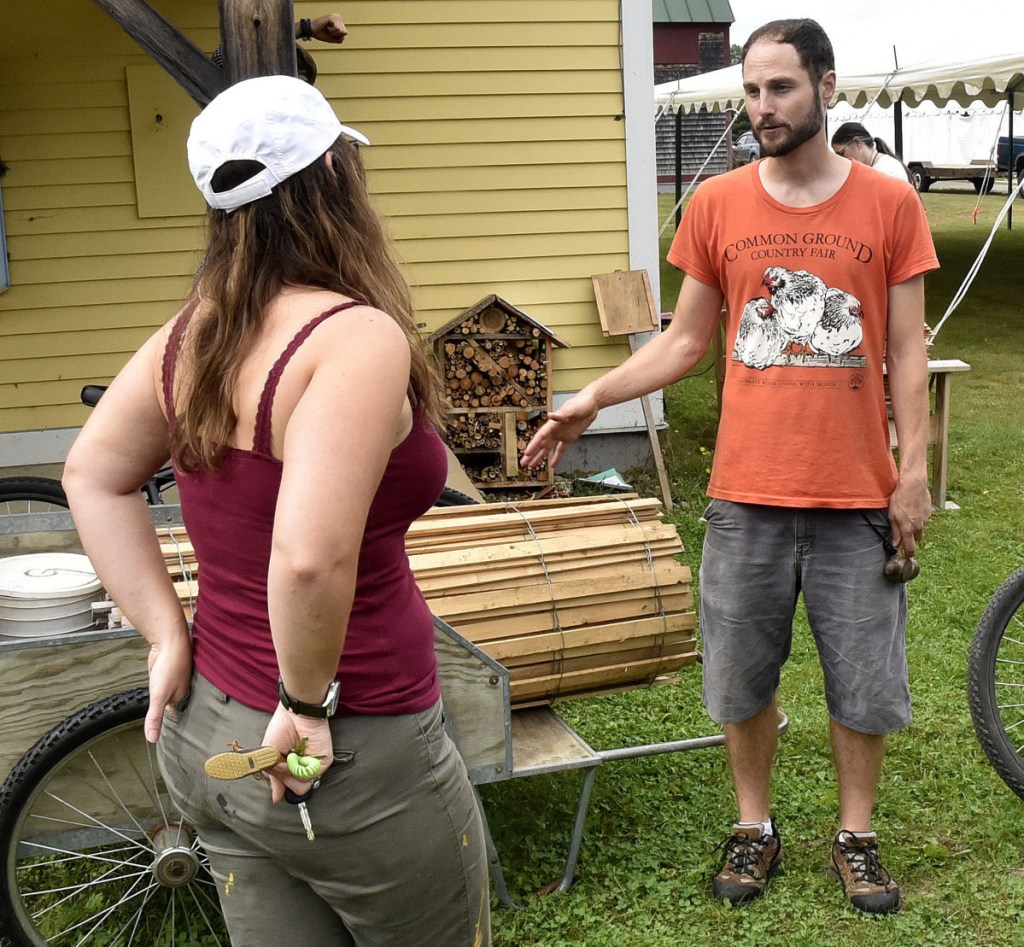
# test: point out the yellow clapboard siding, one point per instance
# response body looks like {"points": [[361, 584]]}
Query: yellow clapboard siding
{"points": [[554, 59], [526, 222], [30, 200], [583, 357], [496, 155], [52, 393], [78, 328], [494, 202], [460, 272], [107, 219], [49, 246], [440, 180], [532, 296], [71, 95], [100, 366], [509, 249], [494, 117], [494, 38], [84, 171], [369, 12], [67, 340], [99, 293], [415, 87], [46, 418], [88, 269], [562, 319], [55, 122], [483, 155], [92, 144]]}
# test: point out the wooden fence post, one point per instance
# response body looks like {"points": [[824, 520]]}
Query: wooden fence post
{"points": [[258, 38]]}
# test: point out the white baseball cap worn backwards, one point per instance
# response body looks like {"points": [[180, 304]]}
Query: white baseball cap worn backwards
{"points": [[282, 122]]}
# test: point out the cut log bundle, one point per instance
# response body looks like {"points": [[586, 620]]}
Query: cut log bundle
{"points": [[573, 596], [495, 372]]}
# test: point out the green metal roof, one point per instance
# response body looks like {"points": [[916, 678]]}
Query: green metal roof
{"points": [[692, 11]]}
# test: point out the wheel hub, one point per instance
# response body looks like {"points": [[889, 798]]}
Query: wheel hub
{"points": [[176, 863]]}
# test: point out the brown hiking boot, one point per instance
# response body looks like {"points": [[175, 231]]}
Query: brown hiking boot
{"points": [[751, 858], [856, 864]]}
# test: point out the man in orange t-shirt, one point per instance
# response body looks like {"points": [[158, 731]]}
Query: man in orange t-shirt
{"points": [[821, 264]]}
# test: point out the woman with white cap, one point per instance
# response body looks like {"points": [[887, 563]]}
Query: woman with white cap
{"points": [[297, 403]]}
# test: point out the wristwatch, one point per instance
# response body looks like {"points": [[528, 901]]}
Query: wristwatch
{"points": [[322, 710]]}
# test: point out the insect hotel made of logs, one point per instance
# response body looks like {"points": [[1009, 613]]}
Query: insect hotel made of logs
{"points": [[496, 365]]}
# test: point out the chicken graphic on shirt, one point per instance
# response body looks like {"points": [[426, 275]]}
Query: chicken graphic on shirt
{"points": [[759, 337], [798, 298], [840, 330]]}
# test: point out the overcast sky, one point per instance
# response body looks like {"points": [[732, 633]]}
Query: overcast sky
{"points": [[863, 32]]}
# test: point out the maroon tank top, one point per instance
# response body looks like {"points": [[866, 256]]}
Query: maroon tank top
{"points": [[388, 664]]}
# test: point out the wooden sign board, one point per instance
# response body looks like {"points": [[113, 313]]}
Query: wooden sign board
{"points": [[625, 303]]}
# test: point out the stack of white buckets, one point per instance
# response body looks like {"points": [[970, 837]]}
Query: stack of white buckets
{"points": [[49, 593]]}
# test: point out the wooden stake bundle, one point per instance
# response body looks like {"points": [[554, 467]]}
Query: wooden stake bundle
{"points": [[574, 596]]}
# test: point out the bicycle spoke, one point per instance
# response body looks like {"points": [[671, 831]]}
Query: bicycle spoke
{"points": [[91, 822], [78, 887], [202, 904], [77, 890], [87, 855], [101, 916], [147, 785]]}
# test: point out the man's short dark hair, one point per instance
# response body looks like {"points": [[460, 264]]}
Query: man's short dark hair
{"points": [[808, 39]]}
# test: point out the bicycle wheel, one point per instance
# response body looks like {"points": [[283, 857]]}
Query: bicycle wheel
{"points": [[452, 497], [92, 850], [31, 495], [995, 681]]}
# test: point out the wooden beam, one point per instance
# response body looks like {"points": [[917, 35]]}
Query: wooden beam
{"points": [[258, 38], [183, 61]]}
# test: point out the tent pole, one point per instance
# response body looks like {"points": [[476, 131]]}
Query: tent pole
{"points": [[679, 165], [1009, 160], [897, 126]]}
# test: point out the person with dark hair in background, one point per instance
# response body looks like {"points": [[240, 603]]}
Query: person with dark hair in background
{"points": [[821, 265], [294, 395], [852, 140]]}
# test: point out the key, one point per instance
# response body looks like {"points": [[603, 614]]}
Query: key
{"points": [[296, 800]]}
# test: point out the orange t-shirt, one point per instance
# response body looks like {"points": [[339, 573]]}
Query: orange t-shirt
{"points": [[803, 408]]}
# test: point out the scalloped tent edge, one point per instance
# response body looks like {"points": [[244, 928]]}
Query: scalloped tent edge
{"points": [[986, 79]]}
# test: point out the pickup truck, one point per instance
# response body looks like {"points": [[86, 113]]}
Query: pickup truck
{"points": [[925, 173], [1003, 155]]}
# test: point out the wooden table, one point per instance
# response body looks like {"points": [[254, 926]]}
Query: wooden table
{"points": [[940, 372]]}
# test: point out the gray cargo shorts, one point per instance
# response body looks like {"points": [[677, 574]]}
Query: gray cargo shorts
{"points": [[399, 856], [757, 561]]}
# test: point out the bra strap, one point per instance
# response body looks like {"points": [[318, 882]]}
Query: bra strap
{"points": [[261, 437]]}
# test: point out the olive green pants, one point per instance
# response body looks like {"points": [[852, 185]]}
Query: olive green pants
{"points": [[398, 859]]}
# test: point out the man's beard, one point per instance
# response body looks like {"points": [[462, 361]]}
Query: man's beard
{"points": [[797, 135]]}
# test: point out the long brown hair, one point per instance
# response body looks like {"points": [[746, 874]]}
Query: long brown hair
{"points": [[318, 228]]}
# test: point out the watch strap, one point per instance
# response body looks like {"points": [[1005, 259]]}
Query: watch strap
{"points": [[321, 711]]}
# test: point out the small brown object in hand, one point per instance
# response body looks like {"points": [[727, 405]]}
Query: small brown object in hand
{"points": [[901, 568], [239, 762]]}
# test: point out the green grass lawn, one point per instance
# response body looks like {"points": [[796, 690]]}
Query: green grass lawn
{"points": [[952, 834]]}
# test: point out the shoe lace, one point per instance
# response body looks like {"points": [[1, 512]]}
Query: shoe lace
{"points": [[744, 854], [863, 859]]}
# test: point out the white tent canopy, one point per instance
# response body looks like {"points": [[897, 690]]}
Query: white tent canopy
{"points": [[942, 134], [986, 80]]}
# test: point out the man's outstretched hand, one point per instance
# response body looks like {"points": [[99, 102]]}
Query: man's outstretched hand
{"points": [[561, 429]]}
